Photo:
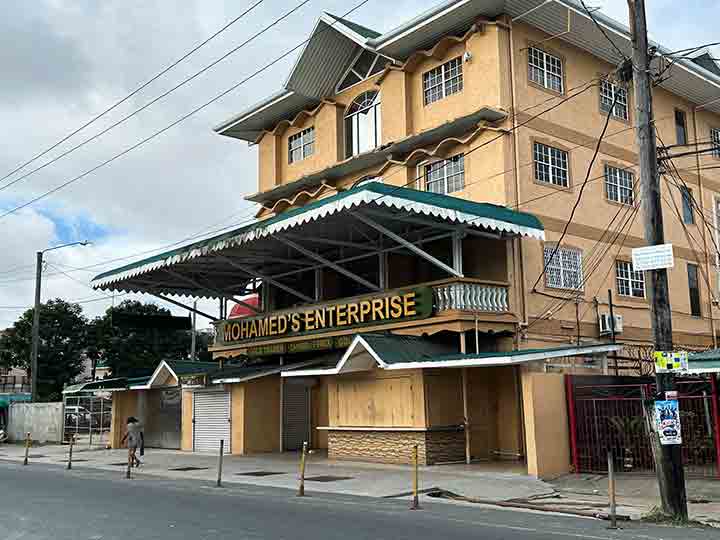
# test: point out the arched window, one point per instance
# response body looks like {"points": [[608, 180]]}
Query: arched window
{"points": [[362, 124]]}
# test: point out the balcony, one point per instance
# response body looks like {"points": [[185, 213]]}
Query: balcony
{"points": [[14, 385], [471, 296]]}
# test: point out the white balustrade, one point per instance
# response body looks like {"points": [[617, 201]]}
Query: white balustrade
{"points": [[465, 296]]}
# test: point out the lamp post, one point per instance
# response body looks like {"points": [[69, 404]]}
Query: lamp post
{"points": [[36, 316]]}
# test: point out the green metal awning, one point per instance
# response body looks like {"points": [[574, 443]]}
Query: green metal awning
{"points": [[394, 206], [106, 385], [704, 362]]}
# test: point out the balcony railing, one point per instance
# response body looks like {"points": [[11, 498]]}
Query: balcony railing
{"points": [[471, 296], [14, 385]]}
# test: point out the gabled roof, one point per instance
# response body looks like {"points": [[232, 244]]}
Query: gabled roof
{"points": [[390, 199], [391, 352], [335, 41]]}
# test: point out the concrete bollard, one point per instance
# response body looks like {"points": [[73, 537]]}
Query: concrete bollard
{"points": [[72, 442], [303, 457], [611, 491], [415, 501], [28, 442], [220, 463]]}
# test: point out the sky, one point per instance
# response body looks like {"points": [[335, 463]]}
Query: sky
{"points": [[65, 62]]}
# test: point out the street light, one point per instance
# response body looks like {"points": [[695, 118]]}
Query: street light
{"points": [[36, 316]]}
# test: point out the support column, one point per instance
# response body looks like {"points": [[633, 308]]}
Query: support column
{"points": [[457, 252]]}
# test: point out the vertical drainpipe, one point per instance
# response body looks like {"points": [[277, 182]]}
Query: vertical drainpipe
{"points": [[704, 229], [516, 151]]}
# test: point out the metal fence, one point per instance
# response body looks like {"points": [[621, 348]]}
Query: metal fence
{"points": [[87, 417], [10, 384], [608, 414]]}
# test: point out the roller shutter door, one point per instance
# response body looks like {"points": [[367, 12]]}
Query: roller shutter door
{"points": [[211, 421], [296, 416]]}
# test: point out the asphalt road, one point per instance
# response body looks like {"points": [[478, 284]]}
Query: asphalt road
{"points": [[41, 502]]}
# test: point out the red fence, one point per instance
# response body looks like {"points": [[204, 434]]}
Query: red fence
{"points": [[607, 414]]}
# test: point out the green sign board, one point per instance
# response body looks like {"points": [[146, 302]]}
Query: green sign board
{"points": [[359, 312]]}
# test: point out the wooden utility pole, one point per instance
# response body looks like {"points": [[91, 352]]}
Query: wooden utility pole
{"points": [[35, 343], [668, 458]]}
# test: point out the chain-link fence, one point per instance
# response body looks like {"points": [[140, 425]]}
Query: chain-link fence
{"points": [[88, 418]]}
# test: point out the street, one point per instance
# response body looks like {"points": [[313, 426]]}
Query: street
{"points": [[42, 502]]}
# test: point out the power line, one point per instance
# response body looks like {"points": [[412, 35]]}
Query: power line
{"points": [[134, 92], [158, 98], [604, 33]]}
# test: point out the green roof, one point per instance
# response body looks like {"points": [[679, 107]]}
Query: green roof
{"points": [[395, 349], [481, 215], [364, 31], [188, 367]]}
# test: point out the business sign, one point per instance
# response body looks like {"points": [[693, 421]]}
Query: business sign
{"points": [[653, 257], [308, 345], [667, 421], [396, 306], [670, 362]]}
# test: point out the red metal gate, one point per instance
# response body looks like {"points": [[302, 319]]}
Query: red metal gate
{"points": [[607, 414]]}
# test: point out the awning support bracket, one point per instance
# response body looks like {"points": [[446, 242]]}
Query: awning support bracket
{"points": [[220, 293]]}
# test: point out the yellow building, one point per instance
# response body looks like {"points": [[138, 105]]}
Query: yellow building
{"points": [[412, 189]]}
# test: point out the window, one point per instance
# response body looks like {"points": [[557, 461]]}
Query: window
{"points": [[551, 165], [629, 282], [687, 205], [611, 92], [680, 127], [694, 287], [545, 69], [715, 138], [362, 124], [364, 65], [443, 81], [565, 270], [619, 185], [301, 145], [445, 176]]}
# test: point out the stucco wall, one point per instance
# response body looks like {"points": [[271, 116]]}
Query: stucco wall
{"points": [[44, 422]]}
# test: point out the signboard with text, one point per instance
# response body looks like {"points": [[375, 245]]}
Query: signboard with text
{"points": [[383, 308], [670, 362], [653, 257]]}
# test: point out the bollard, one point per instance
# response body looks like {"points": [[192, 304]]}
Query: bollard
{"points": [[72, 442], [611, 491], [220, 463], [128, 474], [415, 501], [28, 442], [303, 456]]}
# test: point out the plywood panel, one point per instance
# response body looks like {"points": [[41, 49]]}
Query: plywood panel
{"points": [[237, 413], [262, 415], [319, 403], [482, 420], [376, 402], [186, 427], [509, 438], [124, 404], [443, 390]]}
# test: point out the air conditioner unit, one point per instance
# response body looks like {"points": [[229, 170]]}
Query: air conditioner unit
{"points": [[605, 324]]}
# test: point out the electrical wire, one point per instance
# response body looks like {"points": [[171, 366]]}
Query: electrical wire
{"points": [[134, 92], [604, 33]]}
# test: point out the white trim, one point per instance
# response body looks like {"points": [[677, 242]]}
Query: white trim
{"points": [[340, 367], [157, 372], [274, 371], [345, 31], [229, 124]]}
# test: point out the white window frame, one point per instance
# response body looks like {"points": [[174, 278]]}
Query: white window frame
{"points": [[566, 277], [350, 120], [611, 92], [614, 178], [306, 145], [630, 281], [446, 84], [715, 138], [553, 160], [445, 179], [547, 66]]}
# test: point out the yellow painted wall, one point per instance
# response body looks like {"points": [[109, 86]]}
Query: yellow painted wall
{"points": [[262, 415], [186, 427], [546, 426]]}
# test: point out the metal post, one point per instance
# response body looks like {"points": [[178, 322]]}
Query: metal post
{"points": [[72, 442], [128, 474], [573, 423], [303, 456], [612, 329], [415, 501], [193, 336], [90, 423], [36, 329], [668, 458], [466, 417], [28, 441], [716, 416], [220, 463], [611, 490]]}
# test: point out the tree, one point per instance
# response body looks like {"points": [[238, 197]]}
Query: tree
{"points": [[132, 350], [63, 337]]}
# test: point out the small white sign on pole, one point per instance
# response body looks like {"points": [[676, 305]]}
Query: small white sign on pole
{"points": [[653, 257]]}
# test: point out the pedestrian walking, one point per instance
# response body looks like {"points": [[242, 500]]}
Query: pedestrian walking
{"points": [[135, 440]]}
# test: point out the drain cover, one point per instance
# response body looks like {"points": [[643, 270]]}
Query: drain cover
{"points": [[123, 464], [36, 455], [327, 478], [259, 473], [189, 469]]}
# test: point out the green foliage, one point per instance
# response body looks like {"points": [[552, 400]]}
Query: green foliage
{"points": [[63, 337]]}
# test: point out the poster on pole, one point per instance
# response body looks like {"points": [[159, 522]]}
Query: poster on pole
{"points": [[670, 362], [653, 257], [667, 421]]}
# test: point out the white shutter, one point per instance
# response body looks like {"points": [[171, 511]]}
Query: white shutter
{"points": [[296, 415], [211, 421]]}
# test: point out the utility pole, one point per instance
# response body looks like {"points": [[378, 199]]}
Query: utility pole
{"points": [[35, 343], [193, 338], [668, 458]]}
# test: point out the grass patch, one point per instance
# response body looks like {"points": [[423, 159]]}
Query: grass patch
{"points": [[658, 517]]}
